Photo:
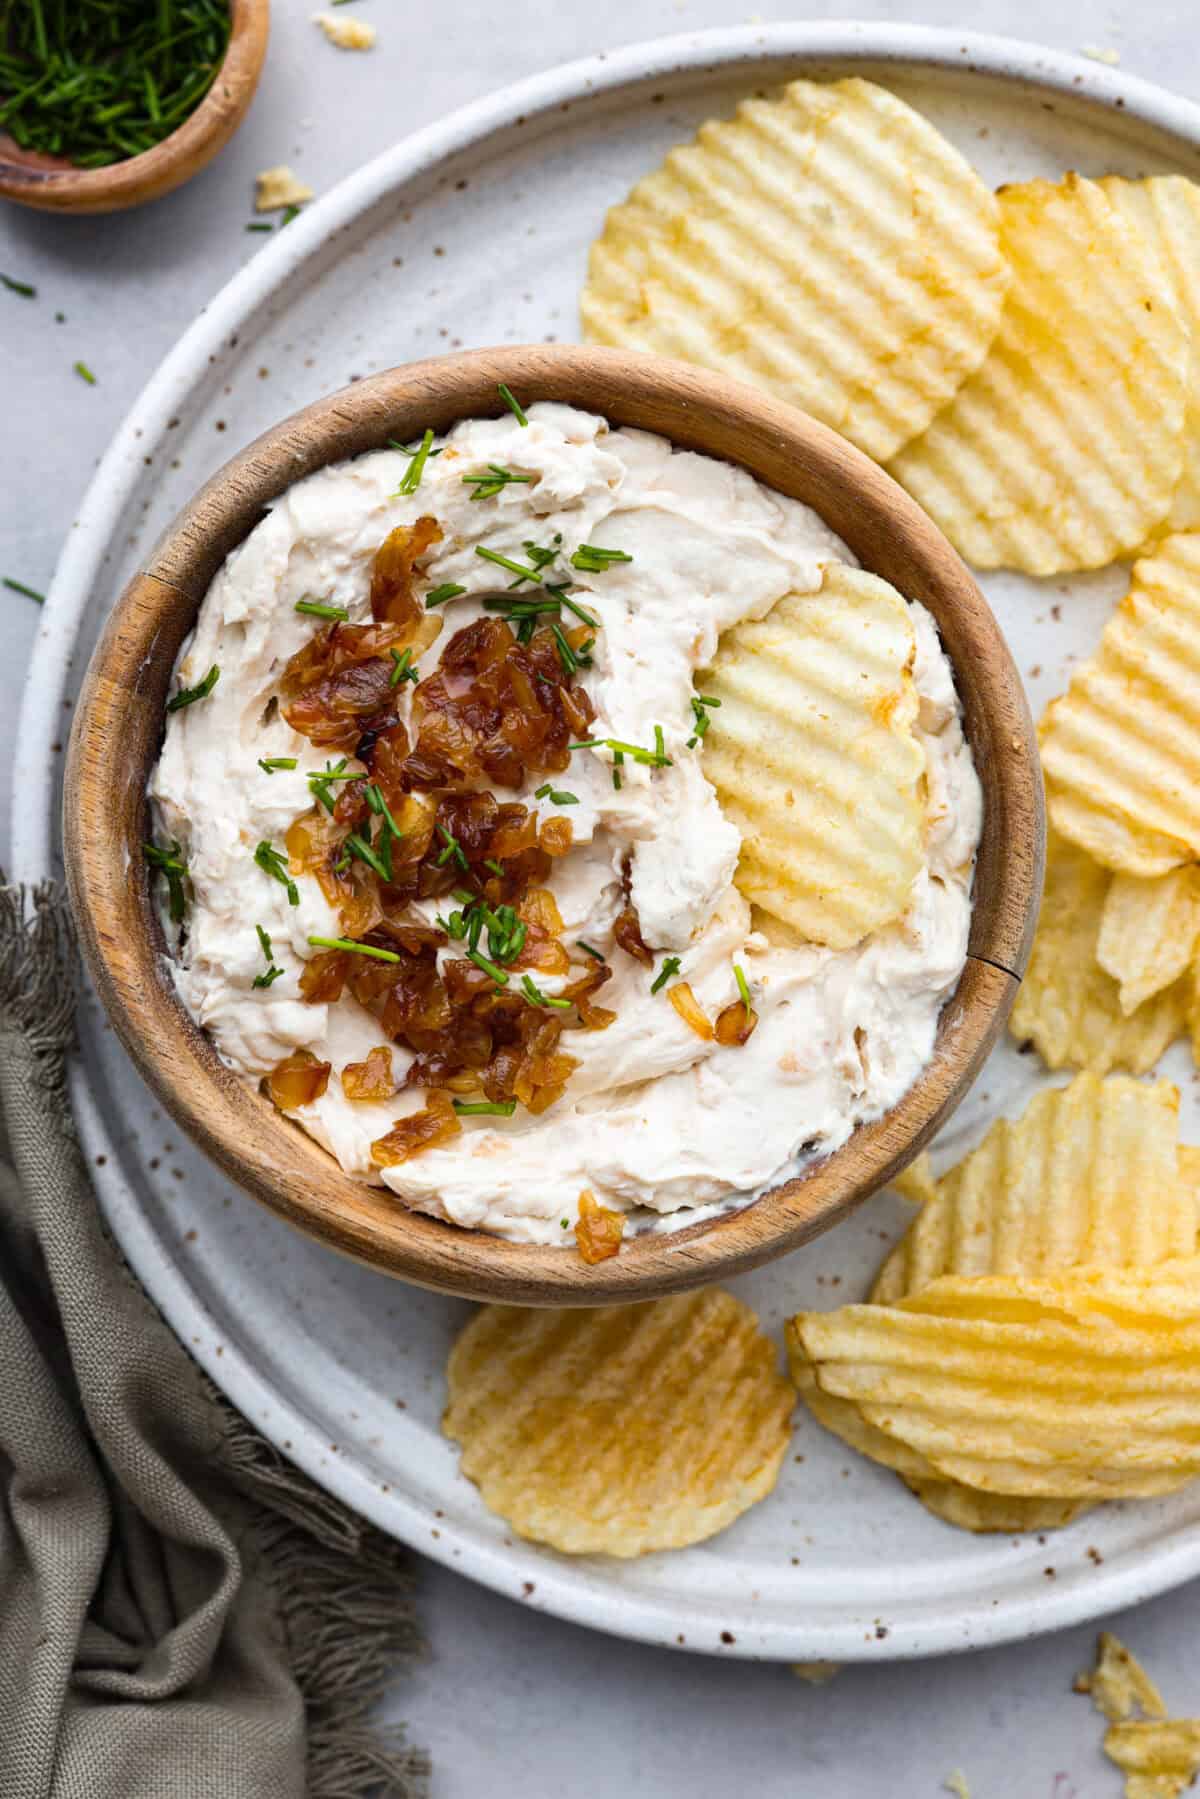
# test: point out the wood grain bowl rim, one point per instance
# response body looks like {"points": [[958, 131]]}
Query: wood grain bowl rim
{"points": [[118, 727], [51, 184]]}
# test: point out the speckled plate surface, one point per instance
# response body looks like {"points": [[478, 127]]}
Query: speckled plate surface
{"points": [[475, 232]]}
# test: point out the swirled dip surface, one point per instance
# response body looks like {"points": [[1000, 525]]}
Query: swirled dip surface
{"points": [[654, 1119]]}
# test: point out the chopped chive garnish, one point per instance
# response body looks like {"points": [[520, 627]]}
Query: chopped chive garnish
{"points": [[321, 609], [411, 479], [454, 926], [272, 972], [700, 704], [31, 593], [556, 795], [437, 596], [739, 975], [494, 868], [375, 800], [536, 997], [270, 764], [494, 482], [188, 695], [594, 560], [402, 669], [289, 213], [19, 287], [618, 765], [655, 758], [513, 404], [358, 949], [480, 960], [377, 856], [170, 862], [453, 849], [85, 373], [407, 450], [259, 225], [320, 783], [514, 568], [587, 949], [490, 1108], [670, 966], [579, 612], [274, 863]]}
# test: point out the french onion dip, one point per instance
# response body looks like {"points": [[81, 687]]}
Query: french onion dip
{"points": [[443, 869]]}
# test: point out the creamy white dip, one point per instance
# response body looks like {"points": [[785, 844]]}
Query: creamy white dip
{"points": [[655, 1121]]}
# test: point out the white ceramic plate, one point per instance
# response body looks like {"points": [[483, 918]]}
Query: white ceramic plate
{"points": [[475, 232]]}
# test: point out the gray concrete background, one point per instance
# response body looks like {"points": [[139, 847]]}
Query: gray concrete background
{"points": [[508, 1701]]}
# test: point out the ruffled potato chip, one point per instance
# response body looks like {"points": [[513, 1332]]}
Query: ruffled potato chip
{"points": [[1089, 1176], [1064, 450], [623, 1429], [827, 244], [1121, 748], [814, 756], [1067, 1006], [1083, 1385], [1166, 210], [1149, 928]]}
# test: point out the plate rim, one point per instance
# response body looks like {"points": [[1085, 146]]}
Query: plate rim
{"points": [[35, 783]]}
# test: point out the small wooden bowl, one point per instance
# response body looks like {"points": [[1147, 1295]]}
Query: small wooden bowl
{"points": [[52, 184], [118, 728]]}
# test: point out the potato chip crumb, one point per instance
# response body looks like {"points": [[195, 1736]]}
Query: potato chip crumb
{"points": [[956, 1783], [347, 34], [1118, 1684], [816, 1673], [1158, 1759], [1100, 53], [277, 188]]}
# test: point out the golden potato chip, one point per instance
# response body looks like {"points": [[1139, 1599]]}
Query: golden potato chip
{"points": [[1158, 1760], [1087, 1176], [1121, 748], [1148, 932], [1067, 1006], [1064, 449], [814, 757], [1166, 210], [622, 1429], [1118, 1684], [916, 1183], [957, 1505], [827, 244], [1005, 1513], [1079, 1385]]}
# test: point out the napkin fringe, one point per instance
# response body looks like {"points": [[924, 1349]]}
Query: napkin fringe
{"points": [[345, 1601], [38, 987]]}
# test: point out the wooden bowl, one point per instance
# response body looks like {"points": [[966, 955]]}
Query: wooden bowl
{"points": [[118, 728], [52, 184]]}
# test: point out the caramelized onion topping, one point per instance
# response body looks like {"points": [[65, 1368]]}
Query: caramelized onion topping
{"points": [[372, 1079], [437, 1122], [689, 1009], [736, 1024], [298, 1080], [599, 1231]]}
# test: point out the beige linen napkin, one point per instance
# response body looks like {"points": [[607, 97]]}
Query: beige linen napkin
{"points": [[182, 1614]]}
